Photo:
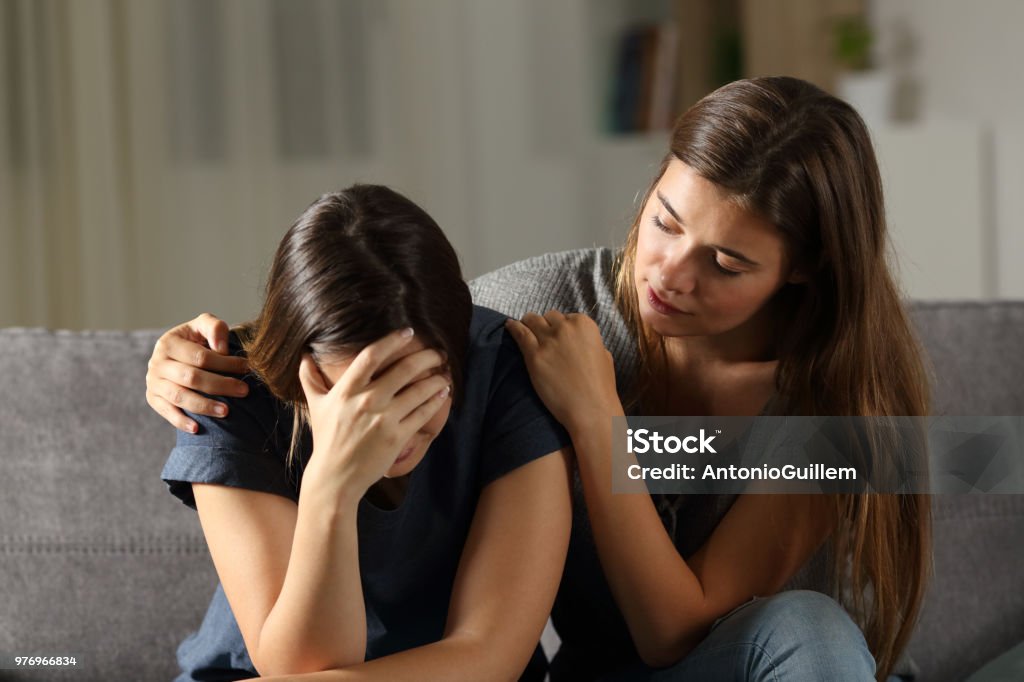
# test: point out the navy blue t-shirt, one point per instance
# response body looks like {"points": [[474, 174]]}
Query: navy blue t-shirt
{"points": [[408, 556]]}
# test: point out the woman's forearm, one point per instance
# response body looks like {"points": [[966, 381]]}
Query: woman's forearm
{"points": [[504, 587], [453, 659], [659, 595], [319, 619]]}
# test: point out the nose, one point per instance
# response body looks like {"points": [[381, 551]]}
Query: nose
{"points": [[678, 270]]}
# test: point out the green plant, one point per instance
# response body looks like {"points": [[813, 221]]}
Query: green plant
{"points": [[853, 43]]}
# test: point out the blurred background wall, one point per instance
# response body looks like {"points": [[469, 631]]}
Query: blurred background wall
{"points": [[153, 152]]}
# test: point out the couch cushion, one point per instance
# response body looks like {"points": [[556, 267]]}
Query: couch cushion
{"points": [[974, 609], [98, 561]]}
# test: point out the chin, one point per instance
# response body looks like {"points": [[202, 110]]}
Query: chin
{"points": [[666, 326], [399, 469]]}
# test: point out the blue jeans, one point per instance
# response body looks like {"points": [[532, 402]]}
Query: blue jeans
{"points": [[792, 636]]}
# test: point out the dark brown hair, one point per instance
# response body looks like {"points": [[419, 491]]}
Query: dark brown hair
{"points": [[789, 152], [357, 265]]}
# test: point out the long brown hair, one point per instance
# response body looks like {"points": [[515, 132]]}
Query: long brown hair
{"points": [[802, 159], [355, 266]]}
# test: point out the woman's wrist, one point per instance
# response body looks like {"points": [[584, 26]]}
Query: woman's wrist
{"points": [[583, 423], [333, 490]]}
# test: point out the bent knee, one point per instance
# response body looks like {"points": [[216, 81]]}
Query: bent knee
{"points": [[802, 629], [805, 615]]}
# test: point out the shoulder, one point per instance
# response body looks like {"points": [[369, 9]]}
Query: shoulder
{"points": [[486, 326], [253, 422], [500, 417], [492, 351], [578, 281], [572, 281], [245, 449], [495, 371]]}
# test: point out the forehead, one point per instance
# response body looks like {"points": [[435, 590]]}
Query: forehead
{"points": [[708, 212], [333, 365], [682, 180]]}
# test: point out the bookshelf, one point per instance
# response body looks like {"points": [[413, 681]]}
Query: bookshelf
{"points": [[918, 161], [661, 56]]}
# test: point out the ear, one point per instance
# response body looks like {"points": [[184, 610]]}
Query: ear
{"points": [[313, 382]]}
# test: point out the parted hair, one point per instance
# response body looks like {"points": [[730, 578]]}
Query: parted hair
{"points": [[357, 265]]}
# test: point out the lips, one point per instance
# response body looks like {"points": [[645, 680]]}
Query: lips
{"points": [[660, 306], [405, 454]]}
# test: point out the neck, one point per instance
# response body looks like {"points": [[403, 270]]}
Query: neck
{"points": [[388, 493]]}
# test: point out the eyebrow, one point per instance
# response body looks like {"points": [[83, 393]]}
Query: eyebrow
{"points": [[727, 251], [668, 207]]}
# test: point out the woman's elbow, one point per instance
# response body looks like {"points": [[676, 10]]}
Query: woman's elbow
{"points": [[274, 667], [268, 665], [296, 661]]}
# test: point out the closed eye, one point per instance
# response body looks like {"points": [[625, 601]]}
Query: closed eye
{"points": [[714, 259], [724, 270], [660, 225]]}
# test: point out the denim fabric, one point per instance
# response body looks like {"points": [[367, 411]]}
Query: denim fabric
{"points": [[216, 652], [792, 636]]}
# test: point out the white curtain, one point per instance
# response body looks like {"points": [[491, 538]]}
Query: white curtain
{"points": [[152, 152]]}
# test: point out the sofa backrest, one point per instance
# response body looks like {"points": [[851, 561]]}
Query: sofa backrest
{"points": [[976, 351], [101, 563], [975, 607]]}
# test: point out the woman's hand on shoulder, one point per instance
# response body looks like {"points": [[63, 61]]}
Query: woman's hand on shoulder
{"points": [[570, 368], [362, 422], [184, 362]]}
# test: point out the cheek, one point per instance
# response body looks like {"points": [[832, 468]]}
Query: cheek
{"points": [[645, 260], [741, 299], [437, 422], [645, 247]]}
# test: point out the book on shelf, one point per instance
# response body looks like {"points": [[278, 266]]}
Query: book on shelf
{"points": [[645, 79]]}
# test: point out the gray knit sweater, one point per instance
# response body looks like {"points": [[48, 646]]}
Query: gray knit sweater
{"points": [[580, 281], [593, 632]]}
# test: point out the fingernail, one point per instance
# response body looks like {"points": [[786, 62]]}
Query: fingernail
{"points": [[445, 391], [242, 390], [407, 332], [220, 410], [192, 427]]}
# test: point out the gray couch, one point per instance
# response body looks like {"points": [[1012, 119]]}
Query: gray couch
{"points": [[101, 563]]}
